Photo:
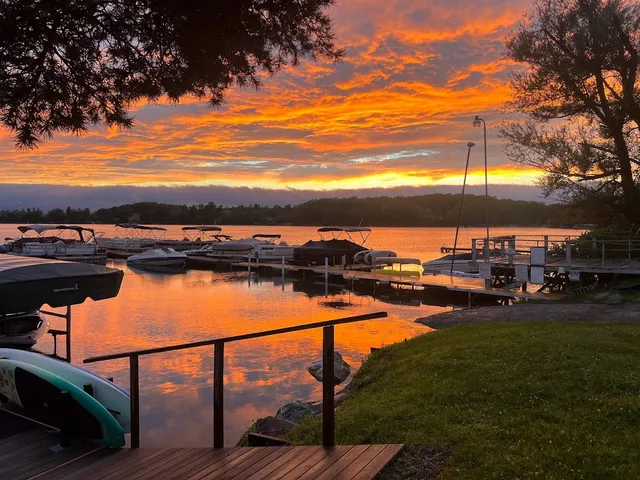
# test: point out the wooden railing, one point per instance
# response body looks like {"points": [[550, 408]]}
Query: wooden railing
{"points": [[328, 414]]}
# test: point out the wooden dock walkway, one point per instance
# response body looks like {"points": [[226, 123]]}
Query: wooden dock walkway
{"points": [[453, 284], [36, 454]]}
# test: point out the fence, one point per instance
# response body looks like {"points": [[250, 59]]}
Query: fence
{"points": [[328, 416]]}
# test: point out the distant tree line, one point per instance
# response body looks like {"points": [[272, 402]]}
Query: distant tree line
{"points": [[437, 210]]}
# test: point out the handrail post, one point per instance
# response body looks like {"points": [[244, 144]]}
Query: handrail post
{"points": [[218, 395], [68, 339], [134, 391], [328, 413]]}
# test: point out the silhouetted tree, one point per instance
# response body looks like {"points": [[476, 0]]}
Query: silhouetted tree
{"points": [[579, 90], [66, 64]]}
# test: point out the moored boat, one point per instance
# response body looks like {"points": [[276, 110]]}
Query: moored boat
{"points": [[131, 239], [338, 245], [158, 257], [194, 237], [71, 243], [462, 262]]}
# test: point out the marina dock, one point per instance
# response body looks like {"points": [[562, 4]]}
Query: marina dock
{"points": [[469, 286]]}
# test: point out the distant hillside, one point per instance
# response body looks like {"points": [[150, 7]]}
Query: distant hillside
{"points": [[436, 210]]}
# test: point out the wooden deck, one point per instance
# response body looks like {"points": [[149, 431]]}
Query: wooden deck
{"points": [[343, 462], [36, 454]]}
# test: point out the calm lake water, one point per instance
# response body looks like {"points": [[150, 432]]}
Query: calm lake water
{"points": [[154, 310]]}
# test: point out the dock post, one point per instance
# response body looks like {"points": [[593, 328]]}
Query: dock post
{"points": [[326, 277], [546, 248], [134, 392], [68, 339], [328, 412], [218, 395], [474, 254], [568, 254], [249, 265], [486, 249]]}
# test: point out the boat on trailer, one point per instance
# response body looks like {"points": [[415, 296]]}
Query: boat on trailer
{"points": [[27, 283], [23, 329], [338, 245], [72, 243]]}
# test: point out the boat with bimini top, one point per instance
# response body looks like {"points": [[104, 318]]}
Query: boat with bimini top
{"points": [[71, 243]]}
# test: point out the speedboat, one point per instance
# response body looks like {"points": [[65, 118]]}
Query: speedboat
{"points": [[225, 249], [71, 243], [337, 246], [158, 257], [22, 330]]}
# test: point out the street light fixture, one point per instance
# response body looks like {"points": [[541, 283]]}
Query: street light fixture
{"points": [[464, 184], [479, 122]]}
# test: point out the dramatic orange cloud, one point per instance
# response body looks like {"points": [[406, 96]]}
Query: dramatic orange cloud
{"points": [[396, 112]]}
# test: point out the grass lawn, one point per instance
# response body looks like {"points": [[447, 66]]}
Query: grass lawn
{"points": [[541, 400]]}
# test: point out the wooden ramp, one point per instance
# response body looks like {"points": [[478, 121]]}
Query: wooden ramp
{"points": [[343, 462]]}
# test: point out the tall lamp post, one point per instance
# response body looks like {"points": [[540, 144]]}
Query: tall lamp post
{"points": [[478, 122], [464, 184]]}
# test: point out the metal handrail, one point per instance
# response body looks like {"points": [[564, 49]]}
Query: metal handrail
{"points": [[328, 414]]}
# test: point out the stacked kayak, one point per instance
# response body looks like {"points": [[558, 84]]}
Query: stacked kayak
{"points": [[72, 399]]}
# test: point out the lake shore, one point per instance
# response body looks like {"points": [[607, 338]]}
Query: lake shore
{"points": [[536, 312]]}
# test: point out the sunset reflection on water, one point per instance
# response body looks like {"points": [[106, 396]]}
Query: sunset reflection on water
{"points": [[157, 309]]}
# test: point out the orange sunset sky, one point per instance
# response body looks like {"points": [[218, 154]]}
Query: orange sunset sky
{"points": [[396, 112]]}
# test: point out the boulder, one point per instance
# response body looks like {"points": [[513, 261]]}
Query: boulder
{"points": [[273, 426], [295, 411], [341, 369]]}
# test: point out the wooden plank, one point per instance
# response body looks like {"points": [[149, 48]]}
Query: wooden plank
{"points": [[265, 471], [65, 470], [38, 461], [260, 465], [21, 446], [225, 464], [351, 456], [61, 458], [378, 463], [112, 463], [207, 456], [8, 444], [209, 461], [26, 455], [162, 464], [335, 455], [318, 456], [302, 456], [228, 473]]}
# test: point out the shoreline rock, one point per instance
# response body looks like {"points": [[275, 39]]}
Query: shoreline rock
{"points": [[341, 369]]}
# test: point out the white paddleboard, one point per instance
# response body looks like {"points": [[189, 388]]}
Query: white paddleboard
{"points": [[113, 398]]}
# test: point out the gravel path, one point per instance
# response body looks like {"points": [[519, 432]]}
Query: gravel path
{"points": [[626, 312]]}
